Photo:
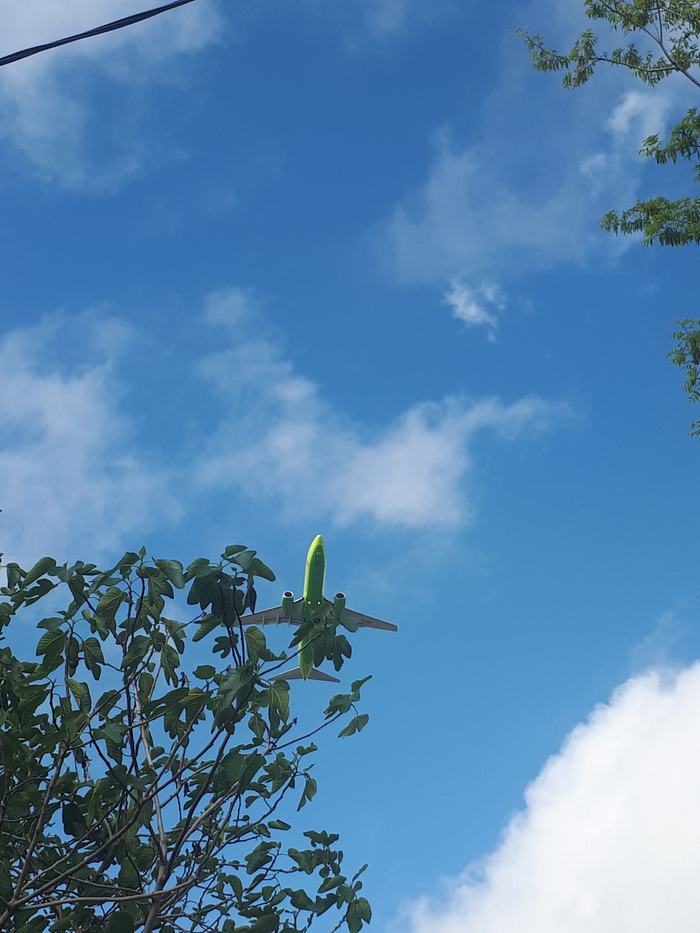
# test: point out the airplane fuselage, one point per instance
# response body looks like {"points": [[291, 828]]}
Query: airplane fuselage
{"points": [[314, 602]]}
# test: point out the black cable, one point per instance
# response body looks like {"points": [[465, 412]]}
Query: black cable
{"points": [[97, 31]]}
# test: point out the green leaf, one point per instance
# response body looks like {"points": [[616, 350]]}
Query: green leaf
{"points": [[6, 885], [266, 923], [112, 733], [241, 768], [120, 922], [45, 565], [359, 911], [92, 652], [310, 788], [321, 839], [251, 598], [209, 623], [127, 562], [176, 630], [340, 703], [139, 648], [255, 642], [261, 855], [356, 685], [107, 701], [279, 698], [170, 660], [81, 693], [109, 603], [205, 671], [73, 819], [51, 644], [258, 569], [301, 900], [333, 881], [305, 859], [14, 575], [244, 558], [48, 641], [279, 824], [32, 695], [356, 724], [204, 589], [173, 571]]}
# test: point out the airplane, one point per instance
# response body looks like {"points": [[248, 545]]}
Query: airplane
{"points": [[313, 607]]}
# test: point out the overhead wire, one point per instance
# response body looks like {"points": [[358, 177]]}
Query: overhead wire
{"points": [[97, 31]]}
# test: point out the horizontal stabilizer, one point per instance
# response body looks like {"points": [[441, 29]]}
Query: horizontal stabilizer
{"points": [[296, 674]]}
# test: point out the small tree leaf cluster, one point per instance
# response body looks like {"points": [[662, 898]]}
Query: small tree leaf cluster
{"points": [[670, 31], [686, 353], [147, 781]]}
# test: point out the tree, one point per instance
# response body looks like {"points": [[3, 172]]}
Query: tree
{"points": [[669, 30], [148, 765]]}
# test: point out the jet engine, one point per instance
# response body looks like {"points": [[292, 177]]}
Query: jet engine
{"points": [[287, 601], [339, 602]]}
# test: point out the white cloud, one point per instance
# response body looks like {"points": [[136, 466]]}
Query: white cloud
{"points": [[75, 473], [379, 20], [69, 475], [610, 839], [387, 17], [286, 442], [470, 220], [640, 114], [47, 104], [522, 186], [469, 304]]}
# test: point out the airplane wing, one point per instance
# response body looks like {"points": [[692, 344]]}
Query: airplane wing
{"points": [[364, 621], [275, 616], [296, 674]]}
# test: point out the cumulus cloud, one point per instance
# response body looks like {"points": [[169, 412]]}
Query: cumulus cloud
{"points": [[70, 476], [609, 841], [285, 441], [48, 102]]}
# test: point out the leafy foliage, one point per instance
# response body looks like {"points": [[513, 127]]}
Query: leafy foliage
{"points": [[687, 353], [144, 780], [672, 27]]}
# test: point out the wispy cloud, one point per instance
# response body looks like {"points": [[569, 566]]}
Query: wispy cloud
{"points": [[388, 17], [475, 306], [381, 20], [523, 190], [472, 219], [70, 474], [286, 442], [610, 838], [47, 107], [77, 470]]}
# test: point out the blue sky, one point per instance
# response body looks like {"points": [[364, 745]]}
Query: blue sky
{"points": [[272, 271]]}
